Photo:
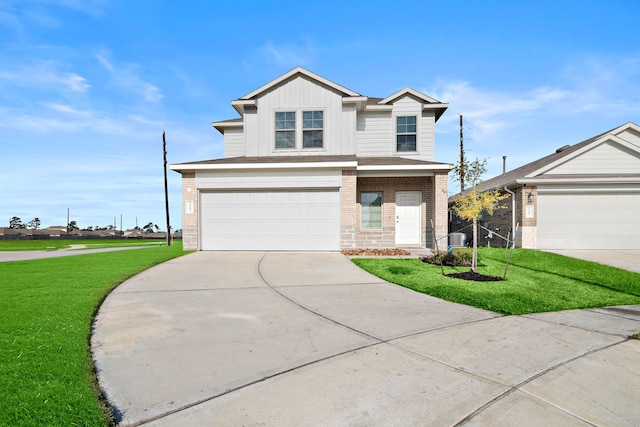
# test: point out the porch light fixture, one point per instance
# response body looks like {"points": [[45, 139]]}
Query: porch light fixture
{"points": [[530, 198]]}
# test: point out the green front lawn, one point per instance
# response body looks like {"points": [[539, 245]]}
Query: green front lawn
{"points": [[536, 281], [54, 244], [46, 311]]}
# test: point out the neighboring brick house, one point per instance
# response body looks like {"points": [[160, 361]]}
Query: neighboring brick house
{"points": [[583, 196], [312, 165]]}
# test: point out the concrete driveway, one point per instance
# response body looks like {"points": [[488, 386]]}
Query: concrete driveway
{"points": [[309, 339], [626, 259]]}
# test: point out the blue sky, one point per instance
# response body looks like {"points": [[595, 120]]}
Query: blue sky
{"points": [[87, 86]]}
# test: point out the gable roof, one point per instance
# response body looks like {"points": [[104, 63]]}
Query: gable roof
{"points": [[303, 72], [348, 97], [532, 172]]}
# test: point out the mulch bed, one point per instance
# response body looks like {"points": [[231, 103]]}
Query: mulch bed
{"points": [[376, 252], [476, 277]]}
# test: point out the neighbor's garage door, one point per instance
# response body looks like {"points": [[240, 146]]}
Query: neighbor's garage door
{"points": [[270, 220], [588, 221]]}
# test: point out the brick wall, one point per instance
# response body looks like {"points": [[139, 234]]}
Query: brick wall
{"points": [[439, 211], [501, 221], [348, 210], [385, 238], [189, 220]]}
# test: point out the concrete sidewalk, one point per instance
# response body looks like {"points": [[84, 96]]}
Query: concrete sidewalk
{"points": [[31, 255], [307, 339]]}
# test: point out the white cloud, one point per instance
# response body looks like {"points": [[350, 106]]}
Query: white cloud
{"points": [[46, 74], [289, 55], [105, 62], [127, 76], [490, 111]]}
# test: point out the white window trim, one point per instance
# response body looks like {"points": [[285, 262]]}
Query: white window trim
{"points": [[381, 211], [299, 130], [276, 130], [395, 133]]}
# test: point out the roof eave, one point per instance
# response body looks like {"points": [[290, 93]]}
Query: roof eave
{"points": [[186, 167]]}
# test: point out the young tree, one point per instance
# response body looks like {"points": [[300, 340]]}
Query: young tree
{"points": [[34, 223], [149, 227], [15, 222], [72, 226], [469, 206]]}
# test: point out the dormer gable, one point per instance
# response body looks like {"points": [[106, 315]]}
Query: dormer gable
{"points": [[250, 99]]}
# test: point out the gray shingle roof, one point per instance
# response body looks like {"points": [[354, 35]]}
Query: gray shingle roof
{"points": [[363, 161], [510, 177]]}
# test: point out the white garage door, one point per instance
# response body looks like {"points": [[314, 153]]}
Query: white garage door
{"points": [[588, 221], [270, 220]]}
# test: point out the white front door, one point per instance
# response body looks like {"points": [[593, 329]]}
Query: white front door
{"points": [[408, 218]]}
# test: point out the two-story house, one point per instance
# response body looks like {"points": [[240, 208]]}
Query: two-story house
{"points": [[312, 165]]}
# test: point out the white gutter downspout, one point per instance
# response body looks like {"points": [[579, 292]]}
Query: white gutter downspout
{"points": [[513, 213]]}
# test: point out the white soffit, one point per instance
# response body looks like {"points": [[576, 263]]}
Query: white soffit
{"points": [[293, 165]]}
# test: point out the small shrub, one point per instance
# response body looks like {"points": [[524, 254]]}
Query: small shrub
{"points": [[457, 257]]}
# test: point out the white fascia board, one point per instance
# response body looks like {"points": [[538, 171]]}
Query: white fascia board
{"points": [[584, 180], [628, 125], [410, 91], [393, 173], [446, 167], [370, 107], [359, 101], [354, 99], [599, 141], [231, 166], [240, 104], [304, 72], [435, 106], [227, 124]]}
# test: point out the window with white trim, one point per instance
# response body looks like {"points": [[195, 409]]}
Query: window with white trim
{"points": [[285, 129], [312, 124], [406, 133], [371, 211]]}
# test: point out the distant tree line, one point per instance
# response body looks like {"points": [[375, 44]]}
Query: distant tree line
{"points": [[34, 224], [16, 222]]}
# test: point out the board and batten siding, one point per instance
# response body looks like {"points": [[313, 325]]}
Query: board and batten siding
{"points": [[301, 94], [234, 142], [375, 134], [606, 158]]}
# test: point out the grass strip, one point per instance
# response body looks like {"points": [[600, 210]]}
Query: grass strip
{"points": [[536, 282], [55, 244], [46, 310]]}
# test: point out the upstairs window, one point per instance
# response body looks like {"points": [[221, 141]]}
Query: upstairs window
{"points": [[285, 129], [312, 124], [371, 211], [406, 133]]}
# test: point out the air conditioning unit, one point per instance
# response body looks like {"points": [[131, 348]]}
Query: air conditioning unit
{"points": [[457, 239]]}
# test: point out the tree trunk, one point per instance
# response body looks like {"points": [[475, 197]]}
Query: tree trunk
{"points": [[474, 259]]}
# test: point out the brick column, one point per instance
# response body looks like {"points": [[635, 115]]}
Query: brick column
{"points": [[440, 208], [189, 211], [348, 210]]}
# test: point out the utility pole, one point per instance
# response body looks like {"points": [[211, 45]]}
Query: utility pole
{"points": [[166, 187], [463, 163]]}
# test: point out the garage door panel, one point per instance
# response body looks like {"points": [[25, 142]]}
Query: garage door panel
{"points": [[588, 221], [270, 220]]}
